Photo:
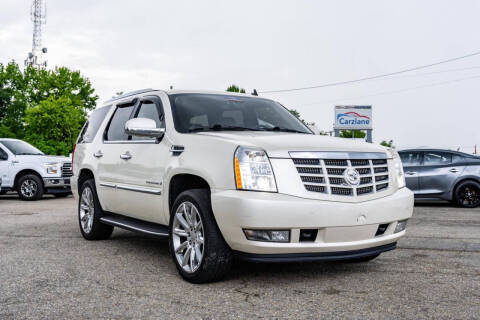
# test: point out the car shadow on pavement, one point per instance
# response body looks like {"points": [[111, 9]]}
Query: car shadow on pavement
{"points": [[144, 248], [426, 203], [14, 196]]}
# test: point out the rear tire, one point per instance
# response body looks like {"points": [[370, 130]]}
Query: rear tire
{"points": [[467, 194], [90, 212], [30, 187], [194, 233]]}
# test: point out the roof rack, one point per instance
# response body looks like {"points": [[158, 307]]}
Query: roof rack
{"points": [[128, 94]]}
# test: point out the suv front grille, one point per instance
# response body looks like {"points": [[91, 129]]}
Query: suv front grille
{"points": [[327, 175], [67, 169]]}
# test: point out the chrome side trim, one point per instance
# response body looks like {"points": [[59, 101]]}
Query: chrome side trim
{"points": [[130, 188], [127, 226], [150, 141], [108, 185], [337, 155], [176, 150], [139, 189]]}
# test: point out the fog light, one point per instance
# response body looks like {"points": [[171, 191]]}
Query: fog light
{"points": [[268, 235], [401, 225]]}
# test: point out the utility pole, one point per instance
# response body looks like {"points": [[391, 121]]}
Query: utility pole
{"points": [[38, 14]]}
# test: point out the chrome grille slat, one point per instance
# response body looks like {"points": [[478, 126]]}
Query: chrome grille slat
{"points": [[327, 175], [67, 170]]}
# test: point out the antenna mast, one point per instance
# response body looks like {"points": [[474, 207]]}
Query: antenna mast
{"points": [[38, 14]]}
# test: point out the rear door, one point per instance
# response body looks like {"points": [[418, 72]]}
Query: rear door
{"points": [[109, 166], [412, 164], [438, 173]]}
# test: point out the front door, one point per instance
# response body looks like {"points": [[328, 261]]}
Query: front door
{"points": [[5, 168], [438, 174], [412, 161], [143, 168]]}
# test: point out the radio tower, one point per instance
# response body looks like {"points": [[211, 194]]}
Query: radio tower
{"points": [[38, 14]]}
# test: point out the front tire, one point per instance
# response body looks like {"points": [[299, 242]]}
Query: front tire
{"points": [[90, 212], [30, 187], [197, 247], [467, 194]]}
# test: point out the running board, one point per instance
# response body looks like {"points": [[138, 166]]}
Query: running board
{"points": [[135, 225]]}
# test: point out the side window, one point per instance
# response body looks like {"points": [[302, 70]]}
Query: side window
{"points": [[3, 155], [411, 159], [92, 125], [116, 129], [437, 158], [148, 109]]}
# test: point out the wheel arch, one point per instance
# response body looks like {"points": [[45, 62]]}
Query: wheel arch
{"points": [[84, 174], [184, 181], [23, 172], [461, 180]]}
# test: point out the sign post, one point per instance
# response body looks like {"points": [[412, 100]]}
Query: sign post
{"points": [[353, 118]]}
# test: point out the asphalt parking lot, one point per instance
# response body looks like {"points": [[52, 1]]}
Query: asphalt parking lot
{"points": [[48, 271]]}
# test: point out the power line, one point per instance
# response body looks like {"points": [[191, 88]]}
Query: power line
{"points": [[332, 84], [394, 91]]}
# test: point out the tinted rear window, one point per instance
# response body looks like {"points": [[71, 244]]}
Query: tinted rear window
{"points": [[116, 129], [92, 125]]}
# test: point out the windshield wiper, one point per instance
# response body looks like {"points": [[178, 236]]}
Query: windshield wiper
{"points": [[29, 154], [284, 130], [218, 127]]}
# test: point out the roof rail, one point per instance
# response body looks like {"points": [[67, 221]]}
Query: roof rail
{"points": [[128, 94]]}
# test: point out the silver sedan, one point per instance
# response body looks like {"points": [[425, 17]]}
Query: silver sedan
{"points": [[443, 174]]}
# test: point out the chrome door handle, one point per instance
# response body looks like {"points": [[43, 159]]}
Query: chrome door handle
{"points": [[411, 173], [98, 154], [454, 170], [126, 156]]}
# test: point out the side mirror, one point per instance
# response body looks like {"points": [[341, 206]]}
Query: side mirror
{"points": [[143, 127]]}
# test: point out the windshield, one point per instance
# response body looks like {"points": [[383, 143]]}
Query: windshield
{"points": [[18, 147], [208, 112]]}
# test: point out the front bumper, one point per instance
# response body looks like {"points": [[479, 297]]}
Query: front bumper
{"points": [[316, 256], [63, 183], [341, 226]]}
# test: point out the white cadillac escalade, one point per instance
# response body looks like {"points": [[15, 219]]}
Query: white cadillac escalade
{"points": [[224, 175]]}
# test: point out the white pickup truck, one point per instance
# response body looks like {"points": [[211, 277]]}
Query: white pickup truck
{"points": [[27, 170]]}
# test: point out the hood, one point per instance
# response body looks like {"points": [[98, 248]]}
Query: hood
{"points": [[42, 158], [278, 144]]}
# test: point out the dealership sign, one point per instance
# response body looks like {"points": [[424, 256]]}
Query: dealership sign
{"points": [[353, 117]]}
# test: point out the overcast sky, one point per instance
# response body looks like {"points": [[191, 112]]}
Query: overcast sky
{"points": [[267, 45]]}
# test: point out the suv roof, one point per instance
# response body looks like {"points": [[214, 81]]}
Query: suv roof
{"points": [[170, 92]]}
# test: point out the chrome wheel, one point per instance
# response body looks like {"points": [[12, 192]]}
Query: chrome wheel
{"points": [[29, 188], [188, 236], [469, 195], [86, 210]]}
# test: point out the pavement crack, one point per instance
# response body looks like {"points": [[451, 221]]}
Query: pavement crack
{"points": [[247, 295]]}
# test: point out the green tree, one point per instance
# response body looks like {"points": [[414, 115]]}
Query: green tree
{"points": [[388, 144], [53, 125], [355, 133], [235, 88], [21, 91], [13, 101]]}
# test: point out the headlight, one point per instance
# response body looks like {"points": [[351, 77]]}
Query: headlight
{"points": [[52, 168], [253, 170], [397, 163]]}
